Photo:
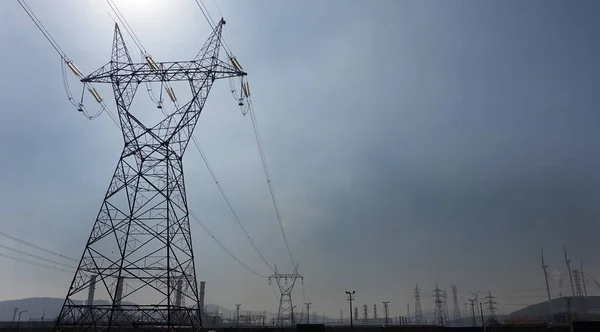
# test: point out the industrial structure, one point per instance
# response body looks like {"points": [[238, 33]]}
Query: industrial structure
{"points": [[439, 316], [285, 283], [139, 253], [456, 309], [491, 305], [418, 311]]}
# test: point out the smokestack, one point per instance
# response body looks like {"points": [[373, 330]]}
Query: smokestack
{"points": [[202, 287], [119, 291], [179, 294], [92, 289]]}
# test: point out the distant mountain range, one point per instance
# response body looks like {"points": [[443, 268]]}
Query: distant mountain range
{"points": [[49, 308], [558, 305]]}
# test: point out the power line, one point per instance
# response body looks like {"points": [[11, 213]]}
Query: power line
{"points": [[266, 169], [225, 248], [45, 32], [35, 256], [211, 23], [37, 247], [34, 263], [228, 202], [80, 107], [126, 25], [139, 44]]}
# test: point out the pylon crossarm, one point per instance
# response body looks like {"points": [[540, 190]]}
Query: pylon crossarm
{"points": [[168, 71]]}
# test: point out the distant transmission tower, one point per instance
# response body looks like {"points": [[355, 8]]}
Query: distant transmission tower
{"points": [[386, 312], [472, 302], [491, 308], [365, 313], [139, 254], [445, 299], [578, 288], [286, 282], [456, 312], [418, 312], [577, 280], [374, 311], [438, 304]]}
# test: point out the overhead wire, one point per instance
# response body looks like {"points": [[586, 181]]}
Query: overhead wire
{"points": [[35, 263], [268, 176], [211, 22], [67, 61], [41, 27], [225, 248], [126, 25], [229, 205], [35, 256], [14, 238], [139, 44]]}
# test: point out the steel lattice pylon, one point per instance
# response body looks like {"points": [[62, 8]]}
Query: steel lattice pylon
{"points": [[285, 283], [139, 254]]}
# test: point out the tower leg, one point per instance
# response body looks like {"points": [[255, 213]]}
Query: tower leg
{"points": [[139, 254]]}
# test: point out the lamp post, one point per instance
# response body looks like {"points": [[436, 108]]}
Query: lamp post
{"points": [[19, 322], [350, 298]]}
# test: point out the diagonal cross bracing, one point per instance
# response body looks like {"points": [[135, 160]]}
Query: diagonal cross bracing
{"points": [[139, 254]]}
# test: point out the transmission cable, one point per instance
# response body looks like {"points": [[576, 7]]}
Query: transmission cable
{"points": [[225, 248], [257, 135], [212, 24], [126, 25], [267, 175], [140, 46], [69, 63], [138, 43], [41, 27], [228, 202], [34, 263], [37, 247], [35, 256]]}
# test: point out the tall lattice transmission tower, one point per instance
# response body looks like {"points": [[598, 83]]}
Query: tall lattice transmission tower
{"points": [[456, 308], [445, 299], [579, 293], [438, 303], [139, 254], [418, 311], [491, 305], [577, 281], [286, 283]]}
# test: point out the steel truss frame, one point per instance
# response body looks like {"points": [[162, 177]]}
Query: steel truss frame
{"points": [[141, 243]]}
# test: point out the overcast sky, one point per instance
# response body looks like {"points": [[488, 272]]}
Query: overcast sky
{"points": [[408, 142]]}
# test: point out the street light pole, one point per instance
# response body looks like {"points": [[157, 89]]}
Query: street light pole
{"points": [[19, 322], [350, 298]]}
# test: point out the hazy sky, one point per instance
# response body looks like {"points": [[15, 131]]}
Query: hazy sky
{"points": [[408, 141]]}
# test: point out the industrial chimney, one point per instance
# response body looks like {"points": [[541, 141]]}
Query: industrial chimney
{"points": [[202, 286]]}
